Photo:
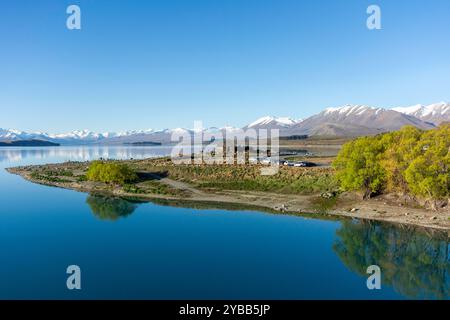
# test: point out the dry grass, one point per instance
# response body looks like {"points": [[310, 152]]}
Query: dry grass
{"points": [[244, 177]]}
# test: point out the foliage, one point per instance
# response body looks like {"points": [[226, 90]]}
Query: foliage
{"points": [[131, 188], [56, 173], [400, 151], [48, 178], [428, 174], [358, 166], [156, 187], [111, 172], [81, 178], [405, 161]]}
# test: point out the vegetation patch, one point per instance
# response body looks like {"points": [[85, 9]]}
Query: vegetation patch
{"points": [[156, 187], [246, 177], [43, 177], [408, 161], [114, 172]]}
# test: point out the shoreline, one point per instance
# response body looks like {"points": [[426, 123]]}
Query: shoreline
{"points": [[377, 209]]}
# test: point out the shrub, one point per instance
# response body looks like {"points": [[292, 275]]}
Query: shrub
{"points": [[111, 172], [407, 161], [428, 175], [358, 166]]}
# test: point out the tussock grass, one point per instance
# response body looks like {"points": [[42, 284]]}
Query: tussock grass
{"points": [[246, 177]]}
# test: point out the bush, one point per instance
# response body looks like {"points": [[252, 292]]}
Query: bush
{"points": [[111, 172], [358, 166], [406, 161]]}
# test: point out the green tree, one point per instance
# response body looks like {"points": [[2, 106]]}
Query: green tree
{"points": [[428, 175], [111, 172], [358, 166], [401, 149], [408, 161]]}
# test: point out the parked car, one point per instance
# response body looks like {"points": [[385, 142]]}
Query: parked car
{"points": [[304, 164], [299, 164]]}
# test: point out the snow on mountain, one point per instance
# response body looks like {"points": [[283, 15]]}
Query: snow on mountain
{"points": [[77, 135], [272, 122], [411, 110], [435, 113], [349, 120], [354, 120], [12, 134], [127, 133], [352, 110], [8, 134]]}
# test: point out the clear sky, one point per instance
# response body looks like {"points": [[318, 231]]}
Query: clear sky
{"points": [[154, 64]]}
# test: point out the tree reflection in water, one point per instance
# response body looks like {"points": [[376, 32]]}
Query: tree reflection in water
{"points": [[414, 263], [110, 208]]}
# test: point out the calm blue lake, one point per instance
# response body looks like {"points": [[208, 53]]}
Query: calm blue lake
{"points": [[152, 251]]}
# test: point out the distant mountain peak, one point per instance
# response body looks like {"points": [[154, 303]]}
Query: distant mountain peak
{"points": [[435, 113], [271, 120], [350, 109], [351, 120]]}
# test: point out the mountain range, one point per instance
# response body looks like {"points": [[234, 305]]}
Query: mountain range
{"points": [[434, 113], [348, 120]]}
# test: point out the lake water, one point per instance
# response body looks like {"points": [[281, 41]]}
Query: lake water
{"points": [[150, 251]]}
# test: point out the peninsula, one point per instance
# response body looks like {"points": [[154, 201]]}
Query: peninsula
{"points": [[294, 190]]}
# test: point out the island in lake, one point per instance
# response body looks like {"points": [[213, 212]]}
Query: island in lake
{"points": [[143, 143], [28, 143]]}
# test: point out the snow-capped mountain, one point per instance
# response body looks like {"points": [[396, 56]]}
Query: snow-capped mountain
{"points": [[73, 137], [435, 113], [271, 122], [83, 136], [78, 135], [348, 120], [13, 135], [355, 120]]}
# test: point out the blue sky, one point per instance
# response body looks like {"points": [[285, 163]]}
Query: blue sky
{"points": [[155, 64]]}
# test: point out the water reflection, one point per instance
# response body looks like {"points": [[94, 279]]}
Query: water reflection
{"points": [[412, 262], [82, 153], [110, 208], [416, 264]]}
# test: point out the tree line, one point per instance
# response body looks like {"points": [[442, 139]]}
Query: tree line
{"points": [[407, 161]]}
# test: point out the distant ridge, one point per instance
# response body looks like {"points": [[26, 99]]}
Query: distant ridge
{"points": [[356, 120], [347, 120], [435, 113]]}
